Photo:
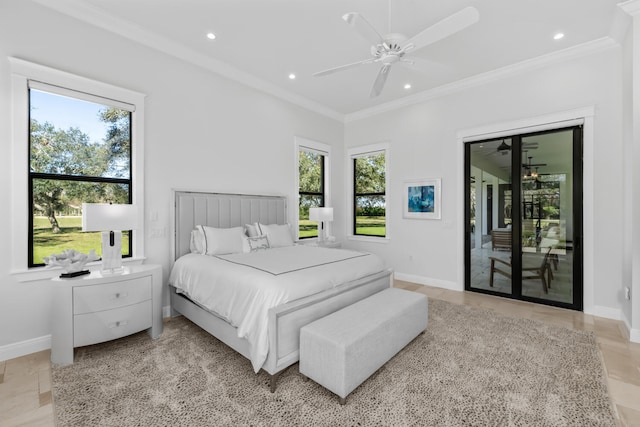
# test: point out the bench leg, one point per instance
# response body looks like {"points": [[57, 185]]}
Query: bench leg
{"points": [[343, 400], [273, 379]]}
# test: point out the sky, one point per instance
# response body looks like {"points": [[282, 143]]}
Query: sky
{"points": [[63, 113]]}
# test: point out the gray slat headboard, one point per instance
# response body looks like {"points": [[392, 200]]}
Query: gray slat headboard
{"points": [[222, 211]]}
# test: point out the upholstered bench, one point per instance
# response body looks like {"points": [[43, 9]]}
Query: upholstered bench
{"points": [[340, 351]]}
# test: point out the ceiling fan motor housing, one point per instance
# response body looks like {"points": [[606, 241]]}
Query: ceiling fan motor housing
{"points": [[390, 50]]}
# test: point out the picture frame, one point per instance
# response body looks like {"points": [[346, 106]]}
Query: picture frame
{"points": [[422, 199]]}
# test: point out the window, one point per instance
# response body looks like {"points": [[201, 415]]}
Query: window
{"points": [[74, 140], [312, 171], [369, 172], [79, 152]]}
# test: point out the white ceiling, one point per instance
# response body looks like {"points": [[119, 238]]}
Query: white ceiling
{"points": [[260, 42]]}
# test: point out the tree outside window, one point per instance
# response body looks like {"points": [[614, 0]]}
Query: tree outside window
{"points": [[311, 192], [369, 207], [79, 152]]}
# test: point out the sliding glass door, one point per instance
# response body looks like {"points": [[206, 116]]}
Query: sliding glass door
{"points": [[524, 217]]}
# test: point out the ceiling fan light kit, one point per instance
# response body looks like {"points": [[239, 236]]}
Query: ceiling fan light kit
{"points": [[392, 48]]}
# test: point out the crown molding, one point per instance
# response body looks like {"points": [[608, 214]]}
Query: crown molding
{"points": [[99, 18], [632, 7], [584, 49]]}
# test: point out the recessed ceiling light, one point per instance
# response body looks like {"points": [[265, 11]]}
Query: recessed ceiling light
{"points": [[211, 36], [292, 76], [558, 36], [407, 86]]}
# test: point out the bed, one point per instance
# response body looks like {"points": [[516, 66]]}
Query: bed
{"points": [[286, 314]]}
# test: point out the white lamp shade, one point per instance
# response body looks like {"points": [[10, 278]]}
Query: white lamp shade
{"points": [[321, 214], [106, 217]]}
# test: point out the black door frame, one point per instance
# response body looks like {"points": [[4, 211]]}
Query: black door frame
{"points": [[577, 181]]}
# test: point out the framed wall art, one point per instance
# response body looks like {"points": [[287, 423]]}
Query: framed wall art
{"points": [[422, 199]]}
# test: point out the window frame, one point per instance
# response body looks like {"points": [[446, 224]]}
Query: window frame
{"points": [[359, 152], [304, 144], [21, 73], [32, 176]]}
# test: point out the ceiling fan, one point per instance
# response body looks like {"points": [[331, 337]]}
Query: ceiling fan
{"points": [[527, 166], [394, 47], [504, 148]]}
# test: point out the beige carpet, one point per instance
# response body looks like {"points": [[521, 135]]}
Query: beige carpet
{"points": [[471, 367]]}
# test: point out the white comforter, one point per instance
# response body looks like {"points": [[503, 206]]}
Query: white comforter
{"points": [[241, 288]]}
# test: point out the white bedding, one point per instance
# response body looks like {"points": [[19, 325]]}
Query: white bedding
{"points": [[241, 288]]}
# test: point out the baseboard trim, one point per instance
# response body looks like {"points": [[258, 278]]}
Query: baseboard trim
{"points": [[634, 335], [606, 312], [22, 348], [420, 280]]}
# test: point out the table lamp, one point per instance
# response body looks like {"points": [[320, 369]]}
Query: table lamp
{"points": [[110, 219], [321, 215]]}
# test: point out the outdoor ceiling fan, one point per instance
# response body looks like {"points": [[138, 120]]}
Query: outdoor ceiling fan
{"points": [[394, 47], [528, 167], [504, 148]]}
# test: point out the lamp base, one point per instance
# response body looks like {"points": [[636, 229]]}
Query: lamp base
{"points": [[321, 236], [111, 253], [113, 271]]}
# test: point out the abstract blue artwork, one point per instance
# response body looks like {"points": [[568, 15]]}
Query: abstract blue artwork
{"points": [[422, 199]]}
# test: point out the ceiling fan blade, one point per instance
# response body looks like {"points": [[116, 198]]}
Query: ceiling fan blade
{"points": [[363, 27], [444, 28], [342, 67], [380, 81]]}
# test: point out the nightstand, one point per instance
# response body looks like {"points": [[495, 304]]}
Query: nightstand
{"points": [[96, 308], [326, 244]]}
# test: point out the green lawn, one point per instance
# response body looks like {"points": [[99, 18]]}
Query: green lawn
{"points": [[371, 226], [308, 229], [46, 243], [365, 225]]}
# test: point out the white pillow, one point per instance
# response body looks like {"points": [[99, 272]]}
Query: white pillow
{"points": [[220, 241], [258, 243], [279, 235], [196, 245]]}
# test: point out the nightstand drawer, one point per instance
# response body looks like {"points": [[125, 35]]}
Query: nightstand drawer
{"points": [[107, 325], [87, 299]]}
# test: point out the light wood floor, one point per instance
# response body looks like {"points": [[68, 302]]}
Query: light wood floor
{"points": [[25, 382]]}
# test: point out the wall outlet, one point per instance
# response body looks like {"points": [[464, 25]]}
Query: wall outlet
{"points": [[627, 293]]}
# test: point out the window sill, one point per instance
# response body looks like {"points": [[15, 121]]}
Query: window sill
{"points": [[44, 273], [369, 239]]}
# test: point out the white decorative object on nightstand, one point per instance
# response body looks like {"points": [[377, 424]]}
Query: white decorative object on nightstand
{"points": [[96, 308]]}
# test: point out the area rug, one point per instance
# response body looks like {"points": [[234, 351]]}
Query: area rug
{"points": [[471, 367]]}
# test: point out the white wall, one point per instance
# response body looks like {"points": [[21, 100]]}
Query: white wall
{"points": [[423, 145], [202, 132]]}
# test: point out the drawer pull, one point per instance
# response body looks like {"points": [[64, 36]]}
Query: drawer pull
{"points": [[119, 295], [118, 324]]}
